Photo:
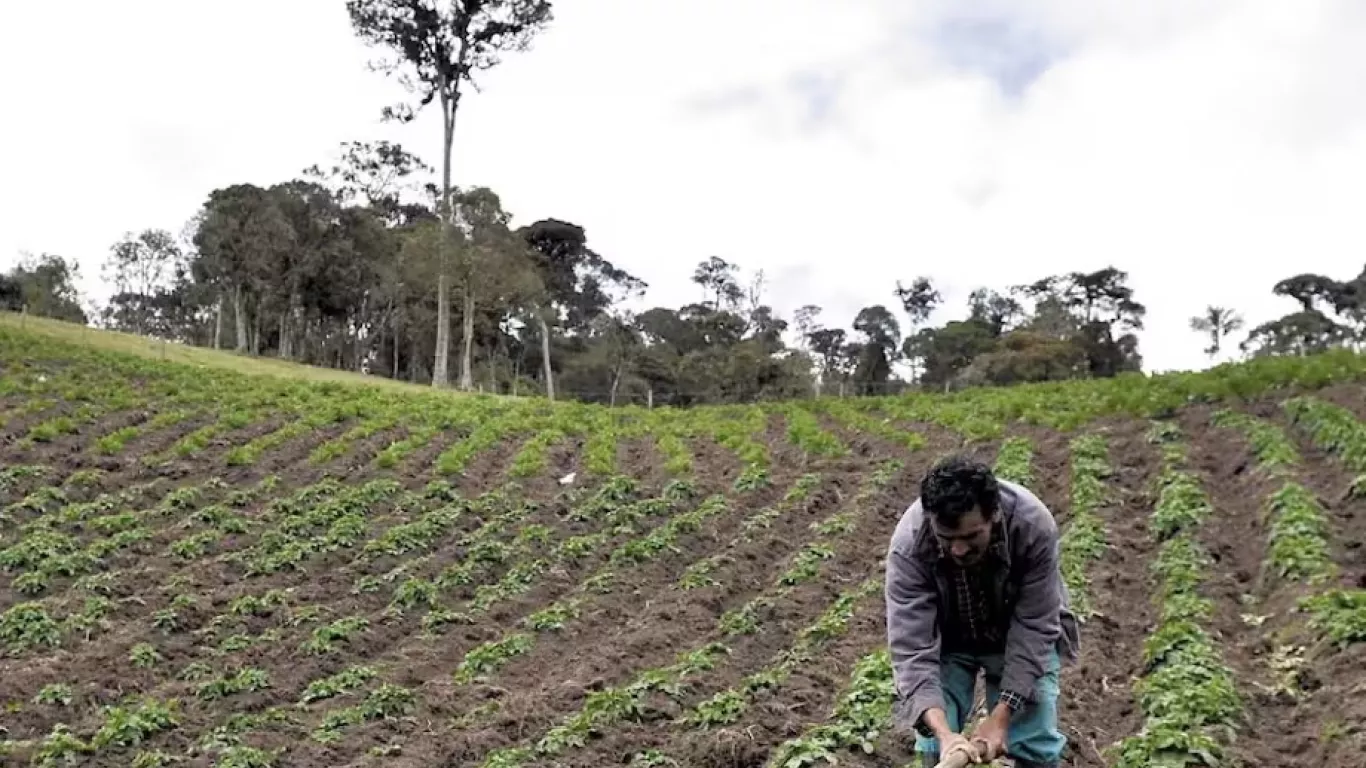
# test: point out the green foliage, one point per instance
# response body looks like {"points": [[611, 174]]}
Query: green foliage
{"points": [[1274, 451], [862, 714], [1083, 540], [1338, 613], [1188, 696], [1299, 545], [1013, 461]]}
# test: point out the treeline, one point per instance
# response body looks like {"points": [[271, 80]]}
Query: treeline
{"points": [[340, 268]]}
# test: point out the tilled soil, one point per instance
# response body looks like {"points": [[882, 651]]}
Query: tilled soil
{"points": [[643, 620]]}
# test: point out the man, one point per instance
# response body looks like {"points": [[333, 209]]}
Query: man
{"points": [[973, 584]]}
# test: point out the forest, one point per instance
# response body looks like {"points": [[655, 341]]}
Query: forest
{"points": [[332, 269]]}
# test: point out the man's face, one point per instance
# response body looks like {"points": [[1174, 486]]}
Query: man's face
{"points": [[967, 542]]}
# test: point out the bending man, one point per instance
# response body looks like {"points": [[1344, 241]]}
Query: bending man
{"points": [[973, 585]]}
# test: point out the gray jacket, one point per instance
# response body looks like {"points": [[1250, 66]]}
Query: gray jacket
{"points": [[1029, 588]]}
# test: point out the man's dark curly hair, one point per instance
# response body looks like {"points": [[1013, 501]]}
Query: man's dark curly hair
{"points": [[955, 485]]}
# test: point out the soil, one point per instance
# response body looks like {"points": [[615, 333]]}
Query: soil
{"points": [[644, 620]]}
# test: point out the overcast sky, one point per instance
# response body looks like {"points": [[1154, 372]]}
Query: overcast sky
{"points": [[1208, 147]]}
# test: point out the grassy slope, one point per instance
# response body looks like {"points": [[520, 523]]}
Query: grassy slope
{"points": [[153, 349], [1066, 404]]}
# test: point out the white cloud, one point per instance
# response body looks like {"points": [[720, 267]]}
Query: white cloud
{"points": [[1209, 148]]}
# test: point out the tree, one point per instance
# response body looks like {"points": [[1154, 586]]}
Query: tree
{"points": [[139, 268], [580, 283], [717, 278], [1022, 356], [491, 263], [918, 300], [997, 311], [1104, 296], [1087, 308], [372, 174], [882, 340], [805, 322], [11, 294], [1217, 323], [439, 48], [620, 346], [949, 350], [1309, 290], [45, 286], [242, 239], [1298, 333]]}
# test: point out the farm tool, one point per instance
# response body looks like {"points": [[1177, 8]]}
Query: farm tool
{"points": [[961, 760]]}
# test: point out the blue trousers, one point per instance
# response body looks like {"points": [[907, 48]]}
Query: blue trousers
{"points": [[1033, 733]]}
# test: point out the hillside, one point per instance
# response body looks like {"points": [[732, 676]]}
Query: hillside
{"points": [[250, 570]]}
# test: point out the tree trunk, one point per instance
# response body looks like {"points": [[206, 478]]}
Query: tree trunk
{"points": [[441, 369], [412, 360], [467, 356], [284, 336], [239, 313], [355, 327], [545, 357], [616, 382], [256, 333], [218, 324], [398, 323]]}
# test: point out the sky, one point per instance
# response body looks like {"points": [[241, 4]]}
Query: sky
{"points": [[1207, 147]]}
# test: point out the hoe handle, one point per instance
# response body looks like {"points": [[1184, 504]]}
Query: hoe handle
{"points": [[955, 760]]}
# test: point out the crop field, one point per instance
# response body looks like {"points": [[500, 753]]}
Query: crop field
{"points": [[204, 568]]}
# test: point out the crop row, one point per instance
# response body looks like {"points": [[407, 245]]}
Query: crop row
{"points": [[37, 362], [324, 638], [1186, 693], [625, 703], [1338, 613]]}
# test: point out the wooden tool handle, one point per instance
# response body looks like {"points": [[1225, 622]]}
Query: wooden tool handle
{"points": [[955, 760]]}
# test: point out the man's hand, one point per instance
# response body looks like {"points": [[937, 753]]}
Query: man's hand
{"points": [[990, 736], [950, 743]]}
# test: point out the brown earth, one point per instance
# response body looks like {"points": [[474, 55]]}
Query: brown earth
{"points": [[644, 620]]}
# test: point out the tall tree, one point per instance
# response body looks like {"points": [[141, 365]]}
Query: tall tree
{"points": [[1309, 290], [918, 300], [376, 175], [620, 346], [1104, 296], [491, 263], [949, 350], [140, 269], [717, 278], [580, 283], [1217, 323], [1298, 333], [881, 342], [1087, 308], [45, 286], [805, 322], [439, 46], [997, 311], [242, 239]]}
